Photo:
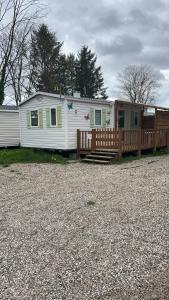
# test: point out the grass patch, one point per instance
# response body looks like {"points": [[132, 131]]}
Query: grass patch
{"points": [[130, 158], [22, 155]]}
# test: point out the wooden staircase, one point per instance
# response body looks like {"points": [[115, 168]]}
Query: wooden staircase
{"points": [[101, 156]]}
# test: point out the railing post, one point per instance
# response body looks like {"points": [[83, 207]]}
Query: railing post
{"points": [[155, 141], [93, 144], [139, 142], [168, 139], [78, 143], [120, 136]]}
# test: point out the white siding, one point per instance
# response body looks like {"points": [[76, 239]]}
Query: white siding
{"points": [[9, 128], [48, 138], [76, 119]]}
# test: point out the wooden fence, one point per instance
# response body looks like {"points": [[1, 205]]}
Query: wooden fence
{"points": [[121, 140]]}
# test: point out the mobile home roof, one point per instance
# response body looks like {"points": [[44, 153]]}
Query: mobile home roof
{"points": [[9, 108], [87, 100]]}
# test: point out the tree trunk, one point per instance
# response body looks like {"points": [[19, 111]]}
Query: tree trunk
{"points": [[2, 88]]}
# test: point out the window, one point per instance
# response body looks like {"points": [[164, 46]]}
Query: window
{"points": [[98, 117], [135, 119], [34, 118], [121, 119], [53, 116]]}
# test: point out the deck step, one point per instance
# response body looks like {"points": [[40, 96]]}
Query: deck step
{"points": [[107, 150], [101, 157], [96, 161], [110, 154]]}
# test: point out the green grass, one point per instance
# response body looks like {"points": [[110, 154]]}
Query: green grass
{"points": [[130, 158], [11, 156]]}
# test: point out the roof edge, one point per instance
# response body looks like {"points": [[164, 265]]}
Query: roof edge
{"points": [[122, 101], [40, 94], [64, 97]]}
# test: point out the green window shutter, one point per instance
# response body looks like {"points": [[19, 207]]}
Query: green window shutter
{"points": [[40, 118], [59, 116], [104, 117], [91, 117], [28, 119], [48, 117]]}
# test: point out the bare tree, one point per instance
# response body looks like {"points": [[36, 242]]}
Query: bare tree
{"points": [[17, 66], [139, 83], [16, 20]]}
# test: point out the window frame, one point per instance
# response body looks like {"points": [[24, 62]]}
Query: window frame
{"points": [[95, 117], [136, 115], [54, 126], [34, 126], [121, 110]]}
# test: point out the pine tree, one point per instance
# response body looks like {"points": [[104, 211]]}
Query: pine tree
{"points": [[89, 78], [45, 60], [61, 74], [70, 74]]}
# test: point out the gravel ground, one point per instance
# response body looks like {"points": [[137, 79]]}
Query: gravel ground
{"points": [[82, 232]]}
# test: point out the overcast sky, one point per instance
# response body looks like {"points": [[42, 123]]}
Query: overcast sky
{"points": [[120, 32]]}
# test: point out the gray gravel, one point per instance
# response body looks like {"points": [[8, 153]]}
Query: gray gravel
{"points": [[85, 231]]}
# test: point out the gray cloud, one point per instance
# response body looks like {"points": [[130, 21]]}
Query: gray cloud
{"points": [[107, 20], [123, 44], [120, 32]]}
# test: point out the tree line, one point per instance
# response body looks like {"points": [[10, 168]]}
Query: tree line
{"points": [[32, 59], [53, 71]]}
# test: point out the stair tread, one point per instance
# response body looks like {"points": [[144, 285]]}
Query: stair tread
{"points": [[104, 153], [95, 161], [99, 156], [108, 150]]}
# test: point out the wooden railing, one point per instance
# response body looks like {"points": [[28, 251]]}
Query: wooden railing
{"points": [[84, 140], [121, 140]]}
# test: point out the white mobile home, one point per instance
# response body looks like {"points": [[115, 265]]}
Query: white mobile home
{"points": [[51, 122], [9, 126]]}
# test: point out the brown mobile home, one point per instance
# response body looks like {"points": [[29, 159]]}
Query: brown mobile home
{"points": [[137, 127], [130, 116]]}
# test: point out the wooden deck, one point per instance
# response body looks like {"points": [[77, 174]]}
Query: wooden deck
{"points": [[121, 141]]}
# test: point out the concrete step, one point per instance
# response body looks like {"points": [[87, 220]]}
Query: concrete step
{"points": [[101, 157], [96, 161]]}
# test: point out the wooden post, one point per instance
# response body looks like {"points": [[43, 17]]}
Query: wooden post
{"points": [[155, 140], [93, 144], [78, 143], [139, 142], [120, 137], [155, 131], [168, 139], [116, 115], [142, 118]]}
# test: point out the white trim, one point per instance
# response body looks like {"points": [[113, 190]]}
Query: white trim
{"points": [[11, 111], [31, 126], [65, 124], [95, 117]]}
